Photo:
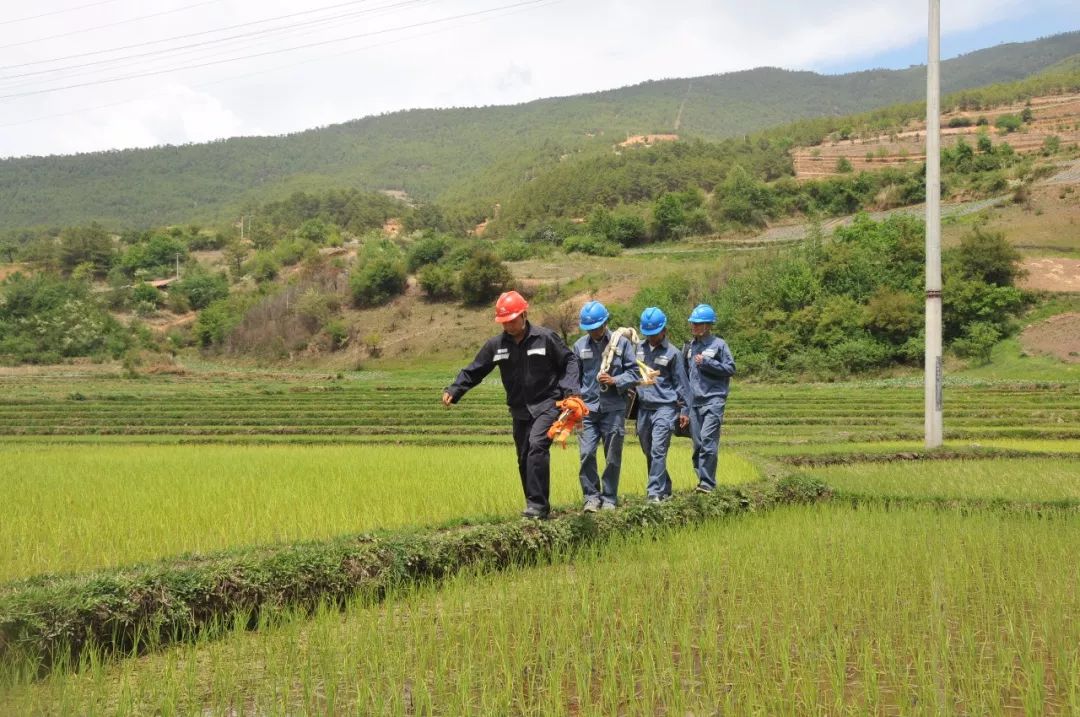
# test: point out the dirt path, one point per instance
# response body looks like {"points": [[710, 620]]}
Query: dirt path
{"points": [[1070, 174], [682, 106], [7, 270], [1058, 336]]}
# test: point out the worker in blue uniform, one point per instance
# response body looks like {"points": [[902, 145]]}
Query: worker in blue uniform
{"points": [[605, 395], [663, 400], [710, 367]]}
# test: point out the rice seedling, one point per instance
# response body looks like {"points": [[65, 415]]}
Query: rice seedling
{"points": [[1029, 480], [805, 610], [72, 508]]}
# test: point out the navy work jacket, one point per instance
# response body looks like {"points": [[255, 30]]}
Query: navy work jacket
{"points": [[623, 369], [709, 381], [670, 388], [535, 373]]}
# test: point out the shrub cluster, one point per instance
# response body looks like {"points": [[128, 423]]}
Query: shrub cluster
{"points": [[851, 304], [44, 319]]}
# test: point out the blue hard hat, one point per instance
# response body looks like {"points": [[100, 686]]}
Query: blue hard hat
{"points": [[653, 321], [593, 316], [703, 314]]}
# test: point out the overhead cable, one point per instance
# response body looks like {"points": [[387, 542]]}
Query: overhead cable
{"points": [[137, 75], [56, 12]]}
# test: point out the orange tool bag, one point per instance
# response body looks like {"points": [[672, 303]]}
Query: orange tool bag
{"points": [[573, 410]]}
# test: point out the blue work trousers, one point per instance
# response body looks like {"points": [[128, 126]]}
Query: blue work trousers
{"points": [[705, 424], [654, 429], [609, 428]]}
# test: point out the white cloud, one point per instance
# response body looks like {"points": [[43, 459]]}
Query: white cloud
{"points": [[553, 48]]}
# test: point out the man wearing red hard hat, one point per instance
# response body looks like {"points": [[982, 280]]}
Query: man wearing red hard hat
{"points": [[537, 370]]}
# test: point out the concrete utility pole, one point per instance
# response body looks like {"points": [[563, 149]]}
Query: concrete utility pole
{"points": [[933, 370]]}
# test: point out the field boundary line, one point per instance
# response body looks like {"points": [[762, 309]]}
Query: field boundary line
{"points": [[1039, 508], [971, 454]]}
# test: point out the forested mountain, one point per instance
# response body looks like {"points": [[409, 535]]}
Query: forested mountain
{"points": [[467, 159]]}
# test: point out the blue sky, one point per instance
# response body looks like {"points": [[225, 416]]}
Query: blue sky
{"points": [[1021, 29]]}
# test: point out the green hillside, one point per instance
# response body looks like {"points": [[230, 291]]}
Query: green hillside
{"points": [[469, 158]]}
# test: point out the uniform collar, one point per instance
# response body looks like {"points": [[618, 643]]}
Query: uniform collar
{"points": [[601, 342], [529, 333]]}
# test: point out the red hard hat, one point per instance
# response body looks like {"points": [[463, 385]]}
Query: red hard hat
{"points": [[510, 306]]}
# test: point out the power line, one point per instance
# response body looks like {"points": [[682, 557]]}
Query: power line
{"points": [[183, 37], [269, 52], [205, 43], [56, 12], [255, 72], [107, 25]]}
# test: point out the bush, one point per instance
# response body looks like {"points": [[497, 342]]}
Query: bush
{"points": [[1008, 123], [967, 301], [668, 216], [978, 342], [483, 278], [625, 229], [438, 282], [216, 321], [743, 200], [517, 250], [315, 307], [317, 231], [157, 256], [143, 293], [44, 319], [989, 257], [892, 315], [338, 334], [379, 277], [202, 289], [628, 230], [291, 251], [591, 245], [262, 267], [207, 242], [86, 245], [428, 250]]}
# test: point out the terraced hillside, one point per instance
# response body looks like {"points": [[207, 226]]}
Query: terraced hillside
{"points": [[1053, 116]]}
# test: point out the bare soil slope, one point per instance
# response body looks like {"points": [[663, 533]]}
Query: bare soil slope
{"points": [[1052, 274], [1058, 336]]}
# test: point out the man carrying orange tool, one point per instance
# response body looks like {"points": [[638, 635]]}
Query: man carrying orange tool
{"points": [[537, 370]]}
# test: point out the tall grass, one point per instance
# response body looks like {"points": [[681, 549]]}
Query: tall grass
{"points": [[803, 611], [70, 508]]}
